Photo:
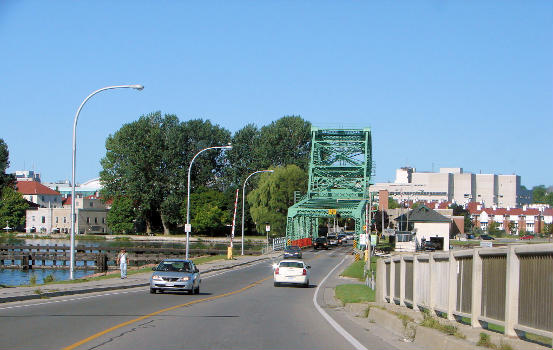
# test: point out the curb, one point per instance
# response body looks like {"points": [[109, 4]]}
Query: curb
{"points": [[103, 289]]}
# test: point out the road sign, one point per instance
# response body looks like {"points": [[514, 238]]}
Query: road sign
{"points": [[267, 228], [331, 211], [188, 228]]}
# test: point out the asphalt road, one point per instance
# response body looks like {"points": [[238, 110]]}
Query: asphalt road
{"points": [[237, 309]]}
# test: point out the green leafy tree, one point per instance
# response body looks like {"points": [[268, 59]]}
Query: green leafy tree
{"points": [[209, 212], [285, 141], [243, 156], [459, 210], [147, 161], [121, 216], [392, 203], [12, 208], [493, 228], [540, 194], [5, 179], [270, 201]]}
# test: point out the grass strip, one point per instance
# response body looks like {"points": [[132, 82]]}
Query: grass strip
{"points": [[354, 293]]}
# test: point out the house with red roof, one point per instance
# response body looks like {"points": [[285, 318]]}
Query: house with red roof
{"points": [[511, 220], [35, 192]]}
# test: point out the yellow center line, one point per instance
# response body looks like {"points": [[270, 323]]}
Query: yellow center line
{"points": [[99, 334]]}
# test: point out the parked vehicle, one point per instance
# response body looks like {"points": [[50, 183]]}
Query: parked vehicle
{"points": [[470, 236], [332, 240], [342, 238], [291, 271], [292, 251], [525, 237], [175, 275], [321, 243], [486, 237]]}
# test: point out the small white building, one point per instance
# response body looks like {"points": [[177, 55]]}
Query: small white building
{"points": [[428, 225]]}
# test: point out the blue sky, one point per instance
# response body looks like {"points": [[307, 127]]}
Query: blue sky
{"points": [[441, 83]]}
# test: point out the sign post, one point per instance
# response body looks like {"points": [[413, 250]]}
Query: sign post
{"points": [[267, 229]]}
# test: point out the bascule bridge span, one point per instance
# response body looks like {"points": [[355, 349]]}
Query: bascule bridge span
{"points": [[340, 171]]}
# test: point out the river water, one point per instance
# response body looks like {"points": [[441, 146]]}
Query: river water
{"points": [[17, 277]]}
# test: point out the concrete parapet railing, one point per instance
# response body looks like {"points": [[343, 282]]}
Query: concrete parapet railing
{"points": [[510, 287]]}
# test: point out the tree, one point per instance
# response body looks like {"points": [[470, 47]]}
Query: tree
{"points": [[378, 220], [270, 201], [540, 194], [147, 161], [5, 179], [12, 208], [209, 211], [392, 203], [285, 141], [493, 227], [121, 216], [243, 156], [459, 210]]}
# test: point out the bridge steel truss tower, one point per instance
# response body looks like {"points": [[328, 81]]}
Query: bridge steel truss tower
{"points": [[339, 177]]}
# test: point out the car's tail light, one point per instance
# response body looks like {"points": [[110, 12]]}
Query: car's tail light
{"points": [[276, 271], [304, 272]]}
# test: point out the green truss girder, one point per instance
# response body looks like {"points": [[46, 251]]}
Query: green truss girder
{"points": [[339, 177]]}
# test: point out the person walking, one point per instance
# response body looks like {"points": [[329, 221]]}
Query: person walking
{"points": [[122, 260]]}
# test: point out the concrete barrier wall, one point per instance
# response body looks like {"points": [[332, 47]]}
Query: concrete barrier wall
{"points": [[508, 286]]}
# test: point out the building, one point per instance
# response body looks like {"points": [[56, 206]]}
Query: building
{"points": [[454, 185], [91, 217], [89, 188], [510, 220], [26, 175], [428, 225], [39, 194]]}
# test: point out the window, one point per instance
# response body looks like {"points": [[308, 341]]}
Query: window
{"points": [[64, 219], [56, 219], [87, 220], [44, 219], [95, 220], [91, 204], [42, 198], [33, 218], [103, 220]]}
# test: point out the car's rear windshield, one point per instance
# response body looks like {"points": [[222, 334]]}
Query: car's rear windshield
{"points": [[177, 266], [293, 248], [291, 264], [320, 239]]}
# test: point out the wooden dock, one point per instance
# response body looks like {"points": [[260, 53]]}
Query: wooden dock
{"points": [[90, 257]]}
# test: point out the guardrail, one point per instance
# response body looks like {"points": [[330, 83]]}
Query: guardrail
{"points": [[508, 286]]}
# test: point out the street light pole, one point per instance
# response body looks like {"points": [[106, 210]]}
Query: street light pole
{"points": [[244, 202], [73, 218], [187, 227]]}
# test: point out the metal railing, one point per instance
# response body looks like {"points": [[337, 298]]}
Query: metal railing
{"points": [[508, 286]]}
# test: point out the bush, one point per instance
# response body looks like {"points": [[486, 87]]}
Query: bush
{"points": [[49, 279]]}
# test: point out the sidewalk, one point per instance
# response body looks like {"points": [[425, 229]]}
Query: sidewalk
{"points": [[136, 280]]}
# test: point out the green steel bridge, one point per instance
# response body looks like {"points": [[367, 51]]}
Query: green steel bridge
{"points": [[339, 177]]}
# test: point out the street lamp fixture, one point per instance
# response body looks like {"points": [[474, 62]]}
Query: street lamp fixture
{"points": [[73, 218], [188, 227], [244, 202]]}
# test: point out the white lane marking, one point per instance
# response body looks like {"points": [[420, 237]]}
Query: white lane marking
{"points": [[117, 293], [330, 320]]}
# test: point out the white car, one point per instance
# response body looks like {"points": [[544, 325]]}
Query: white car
{"points": [[291, 271]]}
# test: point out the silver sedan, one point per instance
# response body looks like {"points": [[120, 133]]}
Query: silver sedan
{"points": [[175, 275]]}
